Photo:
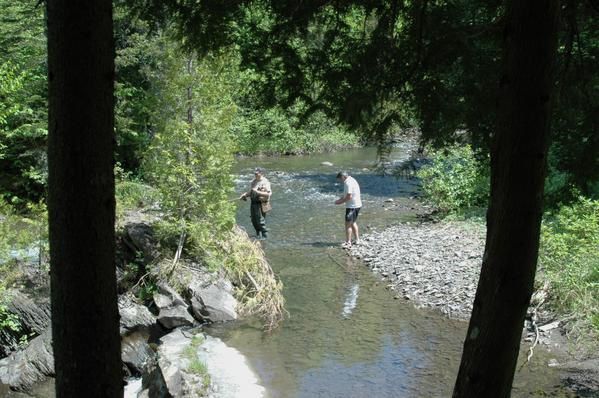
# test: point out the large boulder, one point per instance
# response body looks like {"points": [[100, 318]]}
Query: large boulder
{"points": [[172, 378], [134, 316], [139, 238], [137, 354], [172, 308], [212, 301], [33, 316], [23, 369], [153, 384]]}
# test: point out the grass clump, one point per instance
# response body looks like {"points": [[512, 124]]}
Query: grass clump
{"points": [[232, 252], [132, 193], [197, 367], [569, 263], [258, 289]]}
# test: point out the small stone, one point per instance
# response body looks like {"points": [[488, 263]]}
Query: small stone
{"points": [[549, 326]]}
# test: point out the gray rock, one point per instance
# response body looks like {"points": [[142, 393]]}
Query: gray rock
{"points": [[213, 302], [137, 354], [133, 316], [326, 164], [24, 368], [34, 318], [139, 237], [173, 364], [172, 308], [153, 383]]}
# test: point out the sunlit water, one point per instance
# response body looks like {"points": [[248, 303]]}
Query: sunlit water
{"points": [[346, 336]]}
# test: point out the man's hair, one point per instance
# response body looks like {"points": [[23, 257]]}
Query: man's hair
{"points": [[342, 174], [259, 170]]}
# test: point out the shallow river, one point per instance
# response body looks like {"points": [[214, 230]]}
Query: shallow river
{"points": [[346, 336]]}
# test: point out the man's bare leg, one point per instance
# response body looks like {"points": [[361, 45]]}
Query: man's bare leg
{"points": [[356, 232], [348, 232]]}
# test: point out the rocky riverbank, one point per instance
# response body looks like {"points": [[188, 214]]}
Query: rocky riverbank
{"points": [[156, 306], [437, 265], [432, 264]]}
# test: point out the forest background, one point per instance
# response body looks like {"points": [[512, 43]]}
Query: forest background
{"points": [[243, 100]]}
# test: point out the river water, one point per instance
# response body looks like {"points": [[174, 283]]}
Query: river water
{"points": [[345, 335]]}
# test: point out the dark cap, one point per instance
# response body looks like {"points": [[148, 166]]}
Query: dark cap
{"points": [[259, 170]]}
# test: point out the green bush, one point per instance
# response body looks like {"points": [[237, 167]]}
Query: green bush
{"points": [[132, 193], [455, 180], [278, 131], [569, 262], [21, 236], [8, 320]]}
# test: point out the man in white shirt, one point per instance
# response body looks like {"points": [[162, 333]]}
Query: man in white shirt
{"points": [[353, 204]]}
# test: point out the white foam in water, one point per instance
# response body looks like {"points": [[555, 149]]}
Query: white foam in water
{"points": [[230, 374], [351, 300]]}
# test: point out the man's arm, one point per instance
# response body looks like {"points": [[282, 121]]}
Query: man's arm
{"points": [[343, 199], [246, 194]]}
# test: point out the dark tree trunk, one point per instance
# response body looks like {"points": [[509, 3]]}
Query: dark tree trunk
{"points": [[85, 319], [518, 162]]}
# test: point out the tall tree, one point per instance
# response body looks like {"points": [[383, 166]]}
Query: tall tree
{"points": [[518, 163], [81, 204]]}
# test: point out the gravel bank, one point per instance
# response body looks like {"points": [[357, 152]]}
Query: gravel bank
{"points": [[433, 264]]}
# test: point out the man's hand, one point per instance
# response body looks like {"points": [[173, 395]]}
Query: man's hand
{"points": [[243, 196]]}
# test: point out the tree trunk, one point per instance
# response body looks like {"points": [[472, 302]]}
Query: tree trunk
{"points": [[518, 163], [81, 204]]}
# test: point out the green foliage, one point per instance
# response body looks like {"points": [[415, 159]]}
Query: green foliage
{"points": [[199, 368], [23, 237], [146, 292], [455, 180], [132, 193], [276, 131], [138, 51], [8, 320], [191, 154], [23, 104], [569, 261], [196, 366]]}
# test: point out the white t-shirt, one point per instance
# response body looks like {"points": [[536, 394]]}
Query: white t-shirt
{"points": [[350, 185]]}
